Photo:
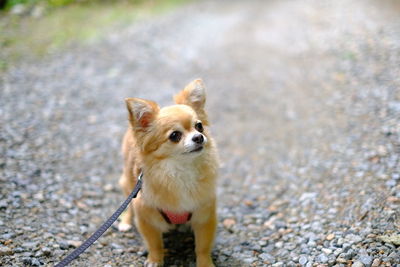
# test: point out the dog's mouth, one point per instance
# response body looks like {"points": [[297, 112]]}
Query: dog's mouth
{"points": [[197, 149]]}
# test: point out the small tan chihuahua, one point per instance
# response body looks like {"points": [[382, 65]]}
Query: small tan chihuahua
{"points": [[173, 149]]}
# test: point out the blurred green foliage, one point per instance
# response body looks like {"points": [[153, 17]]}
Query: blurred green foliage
{"points": [[55, 3], [67, 22], [7, 4]]}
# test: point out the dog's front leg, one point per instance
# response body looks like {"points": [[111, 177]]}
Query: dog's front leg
{"points": [[153, 238], [204, 232], [127, 185]]}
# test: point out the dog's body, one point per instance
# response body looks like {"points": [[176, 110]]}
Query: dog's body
{"points": [[173, 148]]}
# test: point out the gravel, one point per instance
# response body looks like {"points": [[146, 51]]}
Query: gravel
{"points": [[304, 102], [358, 264]]}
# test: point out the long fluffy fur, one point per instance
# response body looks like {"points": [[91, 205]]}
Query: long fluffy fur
{"points": [[174, 179]]}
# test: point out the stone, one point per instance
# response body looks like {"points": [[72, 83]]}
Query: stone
{"points": [[354, 239], [290, 246], [64, 245], [279, 244], [322, 258], [394, 255], [27, 261], [327, 251], [35, 262], [391, 183], [19, 250], [74, 243], [303, 259], [338, 251], [5, 251], [357, 264], [30, 245], [341, 260], [229, 223], [267, 257], [7, 236], [376, 263], [262, 243], [366, 260], [3, 204], [46, 251], [330, 237], [248, 260], [394, 239]]}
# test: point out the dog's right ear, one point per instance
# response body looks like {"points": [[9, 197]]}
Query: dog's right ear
{"points": [[141, 112]]}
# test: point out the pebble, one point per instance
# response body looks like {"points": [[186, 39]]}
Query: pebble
{"points": [[35, 262], [305, 191], [376, 263], [3, 204], [341, 260], [262, 243], [354, 239], [338, 251], [7, 236], [279, 244], [327, 251], [267, 257], [19, 250], [393, 238], [30, 245], [64, 245], [330, 237], [366, 260], [27, 261], [74, 243], [322, 258], [5, 251], [248, 260], [46, 251], [229, 223], [357, 264], [303, 259]]}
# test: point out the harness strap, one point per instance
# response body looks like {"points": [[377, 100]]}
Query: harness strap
{"points": [[176, 218], [75, 254]]}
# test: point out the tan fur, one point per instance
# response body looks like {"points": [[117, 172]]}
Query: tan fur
{"points": [[174, 179]]}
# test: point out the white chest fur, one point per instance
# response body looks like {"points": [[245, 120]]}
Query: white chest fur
{"points": [[177, 185]]}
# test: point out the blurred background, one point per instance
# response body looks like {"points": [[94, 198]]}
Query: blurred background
{"points": [[31, 28], [304, 101]]}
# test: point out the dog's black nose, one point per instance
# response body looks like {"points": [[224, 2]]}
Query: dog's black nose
{"points": [[198, 138]]}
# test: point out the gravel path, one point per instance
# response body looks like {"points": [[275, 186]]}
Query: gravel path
{"points": [[305, 102]]}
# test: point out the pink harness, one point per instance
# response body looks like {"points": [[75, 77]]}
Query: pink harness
{"points": [[176, 218]]}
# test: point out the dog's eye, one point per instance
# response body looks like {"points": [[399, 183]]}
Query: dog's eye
{"points": [[199, 126], [175, 136]]}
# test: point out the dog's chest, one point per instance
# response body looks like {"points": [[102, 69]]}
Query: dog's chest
{"points": [[176, 186]]}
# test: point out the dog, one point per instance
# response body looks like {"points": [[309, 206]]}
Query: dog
{"points": [[174, 150]]}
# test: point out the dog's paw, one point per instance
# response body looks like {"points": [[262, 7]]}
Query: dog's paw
{"points": [[124, 227], [204, 261], [147, 263], [210, 264]]}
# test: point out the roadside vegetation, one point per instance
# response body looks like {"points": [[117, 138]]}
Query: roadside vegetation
{"points": [[33, 28]]}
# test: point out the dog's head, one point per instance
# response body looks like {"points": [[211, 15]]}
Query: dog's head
{"points": [[174, 131]]}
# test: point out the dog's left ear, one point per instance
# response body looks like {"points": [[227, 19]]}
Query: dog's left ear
{"points": [[194, 95]]}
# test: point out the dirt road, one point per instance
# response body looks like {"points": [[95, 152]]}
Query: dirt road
{"points": [[304, 101]]}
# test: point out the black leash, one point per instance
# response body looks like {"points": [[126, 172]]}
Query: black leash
{"points": [[74, 254]]}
